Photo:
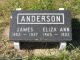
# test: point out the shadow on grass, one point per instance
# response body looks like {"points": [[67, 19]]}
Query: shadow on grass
{"points": [[75, 34]]}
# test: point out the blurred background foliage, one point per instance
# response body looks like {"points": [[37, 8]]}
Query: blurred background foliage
{"points": [[7, 6]]}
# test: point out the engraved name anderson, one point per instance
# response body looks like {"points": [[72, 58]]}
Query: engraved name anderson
{"points": [[40, 18]]}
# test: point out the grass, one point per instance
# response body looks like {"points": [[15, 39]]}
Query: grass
{"points": [[63, 55], [6, 8]]}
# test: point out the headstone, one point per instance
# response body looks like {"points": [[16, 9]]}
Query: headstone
{"points": [[41, 26]]}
